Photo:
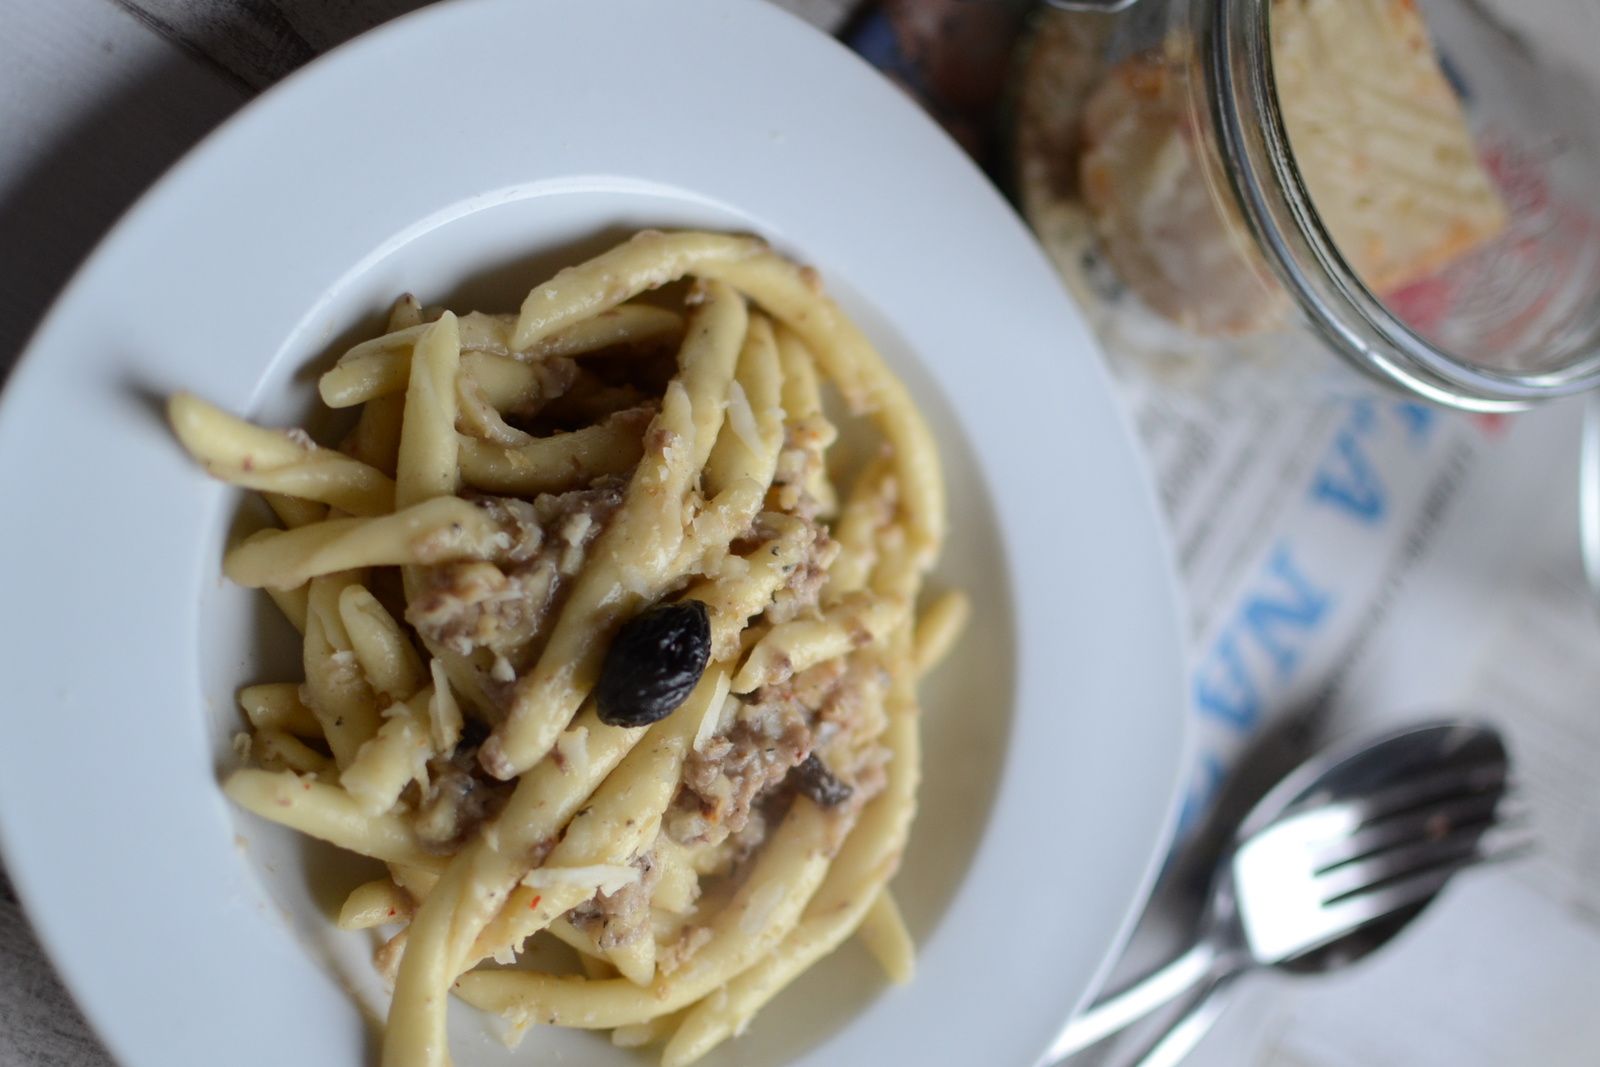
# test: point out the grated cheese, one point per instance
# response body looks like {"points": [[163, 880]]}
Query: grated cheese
{"points": [[517, 1021], [716, 708], [574, 748], [742, 419], [444, 713], [604, 878], [577, 528]]}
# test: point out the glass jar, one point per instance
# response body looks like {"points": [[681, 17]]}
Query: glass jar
{"points": [[1417, 183]]}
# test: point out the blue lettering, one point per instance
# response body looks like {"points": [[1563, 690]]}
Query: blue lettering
{"points": [[1270, 618], [1279, 619], [1224, 689], [1347, 479], [1419, 419]]}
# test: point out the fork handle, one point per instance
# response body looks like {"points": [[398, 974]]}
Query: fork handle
{"points": [[1116, 1012], [1183, 1033]]}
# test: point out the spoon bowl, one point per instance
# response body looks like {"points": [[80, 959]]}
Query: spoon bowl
{"points": [[1442, 745]]}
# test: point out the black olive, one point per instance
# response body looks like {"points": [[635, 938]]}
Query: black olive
{"points": [[818, 783], [653, 664]]}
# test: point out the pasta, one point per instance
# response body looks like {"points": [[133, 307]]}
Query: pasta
{"points": [[594, 649]]}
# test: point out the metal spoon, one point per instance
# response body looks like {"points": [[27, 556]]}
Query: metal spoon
{"points": [[1329, 865]]}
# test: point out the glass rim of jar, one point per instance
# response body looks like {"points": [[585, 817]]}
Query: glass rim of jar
{"points": [[1236, 96]]}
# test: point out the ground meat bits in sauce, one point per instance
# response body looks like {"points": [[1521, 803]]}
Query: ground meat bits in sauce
{"points": [[475, 605], [620, 918], [800, 466], [455, 801], [767, 739], [803, 586], [728, 782]]}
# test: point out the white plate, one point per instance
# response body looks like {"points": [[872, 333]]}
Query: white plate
{"points": [[460, 153]]}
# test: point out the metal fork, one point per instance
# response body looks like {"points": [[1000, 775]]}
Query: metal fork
{"points": [[1329, 870], [1313, 887]]}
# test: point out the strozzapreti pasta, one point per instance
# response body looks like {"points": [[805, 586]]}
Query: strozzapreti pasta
{"points": [[594, 647]]}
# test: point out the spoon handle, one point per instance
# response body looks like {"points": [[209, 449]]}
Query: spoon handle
{"points": [[1181, 1036], [1116, 1012]]}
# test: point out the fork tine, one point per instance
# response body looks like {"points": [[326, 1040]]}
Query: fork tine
{"points": [[1513, 809], [1395, 799], [1417, 854], [1360, 908], [1416, 825]]}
